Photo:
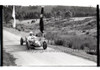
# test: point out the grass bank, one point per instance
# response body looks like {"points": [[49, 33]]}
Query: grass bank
{"points": [[8, 60]]}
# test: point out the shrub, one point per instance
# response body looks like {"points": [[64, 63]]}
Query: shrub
{"points": [[20, 27], [69, 44], [59, 42], [9, 25]]}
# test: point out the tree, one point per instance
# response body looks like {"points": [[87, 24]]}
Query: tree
{"points": [[47, 15], [7, 14], [68, 14]]}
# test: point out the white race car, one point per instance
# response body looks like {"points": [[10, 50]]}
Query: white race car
{"points": [[34, 41]]}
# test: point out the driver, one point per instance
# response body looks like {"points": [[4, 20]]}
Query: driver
{"points": [[31, 33], [31, 36]]}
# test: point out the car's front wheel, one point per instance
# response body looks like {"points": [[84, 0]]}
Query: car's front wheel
{"points": [[21, 41], [27, 45], [44, 45]]}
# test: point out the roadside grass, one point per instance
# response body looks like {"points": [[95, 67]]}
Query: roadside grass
{"points": [[85, 43], [75, 52], [8, 60]]}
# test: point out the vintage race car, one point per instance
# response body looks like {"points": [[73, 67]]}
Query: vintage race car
{"points": [[34, 41]]}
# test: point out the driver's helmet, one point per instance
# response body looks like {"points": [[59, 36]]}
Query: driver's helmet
{"points": [[31, 33]]}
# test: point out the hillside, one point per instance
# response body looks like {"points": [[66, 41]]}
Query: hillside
{"points": [[31, 12]]}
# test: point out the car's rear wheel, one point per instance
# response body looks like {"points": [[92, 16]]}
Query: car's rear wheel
{"points": [[21, 41], [44, 45]]}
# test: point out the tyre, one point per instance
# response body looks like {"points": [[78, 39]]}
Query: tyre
{"points": [[27, 45], [44, 45], [21, 41]]}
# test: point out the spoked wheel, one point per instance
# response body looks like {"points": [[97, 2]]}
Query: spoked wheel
{"points": [[44, 45], [21, 41]]}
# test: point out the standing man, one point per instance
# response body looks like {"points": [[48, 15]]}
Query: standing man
{"points": [[41, 20]]}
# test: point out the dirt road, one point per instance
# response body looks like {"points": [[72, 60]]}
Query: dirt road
{"points": [[38, 56]]}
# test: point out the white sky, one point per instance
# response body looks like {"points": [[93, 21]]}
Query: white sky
{"points": [[92, 3]]}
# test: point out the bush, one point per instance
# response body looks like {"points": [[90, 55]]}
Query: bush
{"points": [[75, 42], [68, 44], [51, 36], [20, 27], [9, 25], [59, 42]]}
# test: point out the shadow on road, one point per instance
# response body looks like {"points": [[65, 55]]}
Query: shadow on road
{"points": [[18, 48]]}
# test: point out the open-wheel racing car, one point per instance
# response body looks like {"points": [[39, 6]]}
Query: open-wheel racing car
{"points": [[33, 41]]}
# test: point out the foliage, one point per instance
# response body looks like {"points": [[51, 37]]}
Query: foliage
{"points": [[86, 43], [75, 10], [31, 12], [7, 14]]}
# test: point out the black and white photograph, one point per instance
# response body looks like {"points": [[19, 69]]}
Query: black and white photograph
{"points": [[49, 35]]}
